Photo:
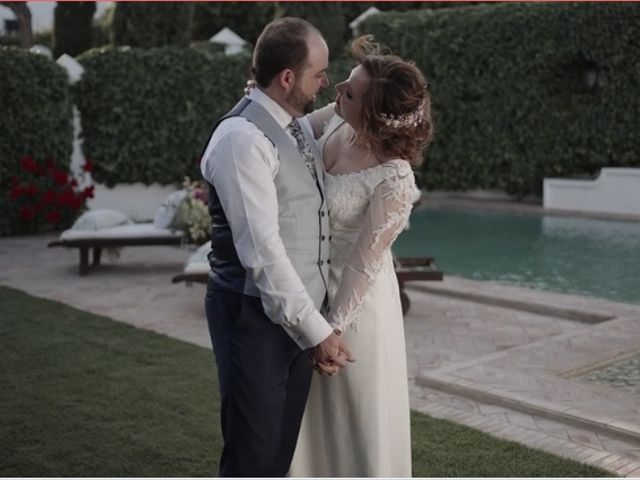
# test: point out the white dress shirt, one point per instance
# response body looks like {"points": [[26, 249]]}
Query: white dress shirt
{"points": [[241, 163]]}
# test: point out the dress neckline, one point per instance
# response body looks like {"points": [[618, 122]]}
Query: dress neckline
{"points": [[367, 169], [362, 170], [330, 131]]}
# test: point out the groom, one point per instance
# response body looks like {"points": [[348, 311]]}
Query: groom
{"points": [[270, 253]]}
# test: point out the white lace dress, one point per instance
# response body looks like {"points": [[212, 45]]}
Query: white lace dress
{"points": [[356, 424]]}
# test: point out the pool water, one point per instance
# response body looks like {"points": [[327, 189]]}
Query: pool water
{"points": [[597, 258]]}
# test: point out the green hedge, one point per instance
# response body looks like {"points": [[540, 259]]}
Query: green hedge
{"points": [[512, 96], [146, 114], [35, 120]]}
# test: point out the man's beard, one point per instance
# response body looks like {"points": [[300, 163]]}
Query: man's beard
{"points": [[299, 101]]}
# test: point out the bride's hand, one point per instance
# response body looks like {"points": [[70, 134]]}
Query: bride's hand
{"points": [[335, 363], [327, 369]]}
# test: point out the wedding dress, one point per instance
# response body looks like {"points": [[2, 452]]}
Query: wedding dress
{"points": [[356, 424]]}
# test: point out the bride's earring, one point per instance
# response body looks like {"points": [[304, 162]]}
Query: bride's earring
{"points": [[251, 84]]}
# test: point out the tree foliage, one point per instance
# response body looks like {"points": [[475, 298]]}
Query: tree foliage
{"points": [[152, 24], [247, 19], [73, 27], [23, 15]]}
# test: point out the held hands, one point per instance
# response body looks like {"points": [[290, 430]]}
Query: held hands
{"points": [[331, 355]]}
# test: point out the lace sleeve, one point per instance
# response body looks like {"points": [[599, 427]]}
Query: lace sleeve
{"points": [[386, 217]]}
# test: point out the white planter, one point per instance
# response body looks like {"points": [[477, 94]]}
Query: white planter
{"points": [[616, 191]]}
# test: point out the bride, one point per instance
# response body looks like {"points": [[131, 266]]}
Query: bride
{"points": [[356, 424]]}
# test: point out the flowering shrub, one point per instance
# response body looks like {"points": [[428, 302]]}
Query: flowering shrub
{"points": [[46, 196], [195, 212]]}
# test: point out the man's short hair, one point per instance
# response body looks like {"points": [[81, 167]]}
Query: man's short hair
{"points": [[281, 45]]}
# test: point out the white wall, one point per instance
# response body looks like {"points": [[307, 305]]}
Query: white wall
{"points": [[616, 190]]}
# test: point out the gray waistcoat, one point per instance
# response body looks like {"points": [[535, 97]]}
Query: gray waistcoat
{"points": [[302, 214]]}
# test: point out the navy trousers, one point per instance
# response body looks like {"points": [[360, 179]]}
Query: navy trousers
{"points": [[264, 381]]}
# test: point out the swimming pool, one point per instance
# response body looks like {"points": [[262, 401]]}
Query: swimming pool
{"points": [[597, 258]]}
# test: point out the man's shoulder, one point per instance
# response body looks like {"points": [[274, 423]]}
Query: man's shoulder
{"points": [[238, 127], [234, 124]]}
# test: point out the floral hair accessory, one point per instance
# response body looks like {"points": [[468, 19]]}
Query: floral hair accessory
{"points": [[406, 120]]}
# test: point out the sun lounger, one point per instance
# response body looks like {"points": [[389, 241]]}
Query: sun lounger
{"points": [[140, 234], [414, 268], [197, 267], [408, 269]]}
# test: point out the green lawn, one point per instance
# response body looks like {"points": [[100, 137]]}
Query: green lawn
{"points": [[83, 395]]}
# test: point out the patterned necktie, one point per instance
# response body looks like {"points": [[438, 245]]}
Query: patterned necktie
{"points": [[304, 147]]}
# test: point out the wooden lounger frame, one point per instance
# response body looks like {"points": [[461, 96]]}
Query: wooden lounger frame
{"points": [[97, 244], [407, 269]]}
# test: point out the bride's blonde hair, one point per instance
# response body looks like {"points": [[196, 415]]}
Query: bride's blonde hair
{"points": [[396, 107]]}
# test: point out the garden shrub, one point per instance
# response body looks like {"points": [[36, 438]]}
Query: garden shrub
{"points": [[35, 121]]}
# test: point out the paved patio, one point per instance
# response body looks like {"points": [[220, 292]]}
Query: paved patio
{"points": [[500, 359]]}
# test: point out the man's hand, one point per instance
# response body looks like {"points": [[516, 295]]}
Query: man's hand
{"points": [[327, 349], [331, 355]]}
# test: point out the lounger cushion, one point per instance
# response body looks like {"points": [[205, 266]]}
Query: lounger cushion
{"points": [[100, 218], [167, 215], [197, 268], [198, 262], [136, 230]]}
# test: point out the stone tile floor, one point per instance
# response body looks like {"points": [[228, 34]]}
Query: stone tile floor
{"points": [[511, 372], [500, 359], [624, 374]]}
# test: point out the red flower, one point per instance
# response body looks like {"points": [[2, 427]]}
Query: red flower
{"points": [[49, 197], [88, 166], [26, 213], [88, 192], [29, 164], [53, 216], [76, 203], [15, 192], [60, 177], [30, 190], [66, 197], [47, 192]]}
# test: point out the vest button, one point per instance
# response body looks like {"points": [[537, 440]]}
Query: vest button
{"points": [[321, 262], [323, 238], [328, 261], [322, 213]]}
